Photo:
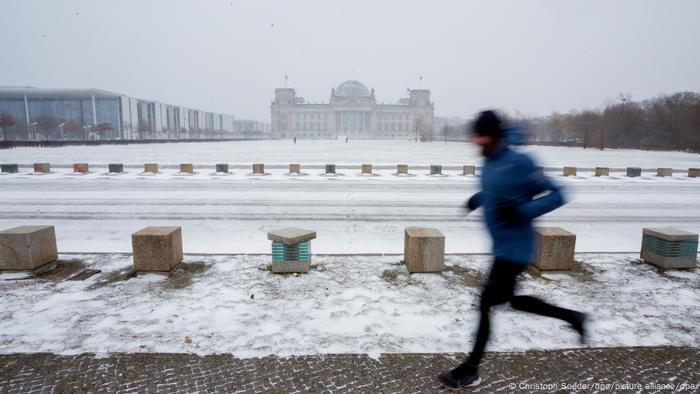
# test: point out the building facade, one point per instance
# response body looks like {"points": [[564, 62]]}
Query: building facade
{"points": [[28, 113], [352, 111]]}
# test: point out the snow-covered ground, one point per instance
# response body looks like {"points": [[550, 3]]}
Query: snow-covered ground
{"points": [[345, 304], [335, 151]]}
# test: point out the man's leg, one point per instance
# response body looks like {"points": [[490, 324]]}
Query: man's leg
{"points": [[498, 290], [539, 307]]}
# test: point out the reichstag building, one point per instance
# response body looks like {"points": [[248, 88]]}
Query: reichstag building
{"points": [[352, 111]]}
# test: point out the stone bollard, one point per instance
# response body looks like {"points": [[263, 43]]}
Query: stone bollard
{"points": [[43, 168], [424, 249], [157, 248], [295, 169], [668, 247], [664, 172], [116, 168], [9, 168], [81, 168], [602, 171], [555, 248], [435, 169], [222, 168], [569, 171], [693, 172], [150, 167], [468, 170], [259, 169], [27, 247], [402, 169], [330, 169], [634, 171], [291, 250], [187, 168], [367, 169]]}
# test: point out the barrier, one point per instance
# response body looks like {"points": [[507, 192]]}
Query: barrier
{"points": [[602, 171], [291, 250], [81, 168], [150, 167], [157, 248], [116, 168], [468, 170], [424, 249], [42, 168], [569, 171], [634, 171], [9, 168], [555, 248], [27, 247]]}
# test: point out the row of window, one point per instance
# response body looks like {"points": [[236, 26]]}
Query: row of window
{"points": [[393, 116], [312, 115], [393, 126], [380, 116]]}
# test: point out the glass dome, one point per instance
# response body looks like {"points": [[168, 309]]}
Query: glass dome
{"points": [[352, 89]]}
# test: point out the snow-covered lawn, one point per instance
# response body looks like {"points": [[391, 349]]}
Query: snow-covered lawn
{"points": [[354, 153], [346, 304]]}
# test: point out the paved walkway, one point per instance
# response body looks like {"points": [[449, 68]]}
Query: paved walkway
{"points": [[652, 369]]}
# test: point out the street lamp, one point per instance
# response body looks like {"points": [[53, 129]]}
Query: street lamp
{"points": [[61, 127]]}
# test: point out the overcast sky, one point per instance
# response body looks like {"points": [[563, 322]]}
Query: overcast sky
{"points": [[229, 56]]}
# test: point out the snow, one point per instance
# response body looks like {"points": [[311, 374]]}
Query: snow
{"points": [[345, 304], [321, 152], [97, 212]]}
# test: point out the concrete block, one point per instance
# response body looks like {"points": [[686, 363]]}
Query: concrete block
{"points": [[187, 168], [602, 171], [435, 169], [469, 170], [402, 169], [330, 169], [367, 169], [693, 172], [634, 171], [27, 247], [82, 168], [116, 168], [555, 248], [9, 168], [664, 172], [222, 167], [569, 171], [424, 249], [150, 167], [259, 169], [295, 169], [669, 247], [157, 248], [291, 235], [43, 168]]}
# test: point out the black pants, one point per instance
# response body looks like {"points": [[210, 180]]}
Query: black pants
{"points": [[499, 289]]}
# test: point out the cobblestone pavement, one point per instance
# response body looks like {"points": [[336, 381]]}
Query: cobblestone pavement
{"points": [[649, 369]]}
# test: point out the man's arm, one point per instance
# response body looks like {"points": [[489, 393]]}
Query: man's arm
{"points": [[538, 183]]}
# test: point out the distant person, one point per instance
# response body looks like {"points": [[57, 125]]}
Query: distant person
{"points": [[295, 139], [346, 139], [509, 182]]}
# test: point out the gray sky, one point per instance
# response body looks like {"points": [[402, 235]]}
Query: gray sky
{"points": [[228, 56]]}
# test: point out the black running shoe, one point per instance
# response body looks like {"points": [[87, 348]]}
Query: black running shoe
{"points": [[580, 325], [454, 381]]}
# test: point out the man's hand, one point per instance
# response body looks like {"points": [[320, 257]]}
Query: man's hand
{"points": [[471, 204]]}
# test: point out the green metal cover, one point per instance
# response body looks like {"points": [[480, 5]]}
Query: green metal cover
{"points": [[298, 252], [670, 248]]}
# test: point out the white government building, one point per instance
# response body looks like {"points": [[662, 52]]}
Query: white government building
{"points": [[353, 112]]}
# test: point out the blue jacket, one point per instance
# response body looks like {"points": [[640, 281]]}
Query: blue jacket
{"points": [[510, 180]]}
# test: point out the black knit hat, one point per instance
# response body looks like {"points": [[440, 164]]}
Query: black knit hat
{"points": [[487, 123]]}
